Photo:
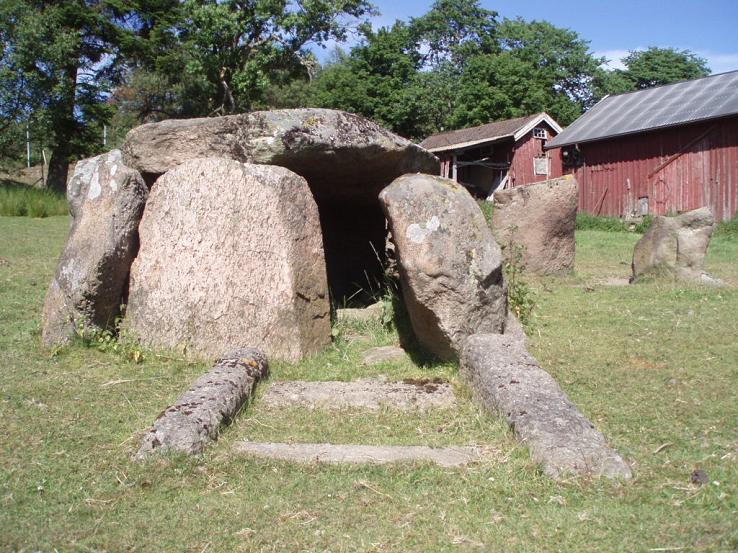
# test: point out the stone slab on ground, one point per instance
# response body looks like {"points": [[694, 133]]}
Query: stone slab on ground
{"points": [[193, 421], [383, 354], [360, 454], [361, 394], [361, 315], [506, 378]]}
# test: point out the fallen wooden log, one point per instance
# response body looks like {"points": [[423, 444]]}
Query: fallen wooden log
{"points": [[194, 420], [506, 378]]}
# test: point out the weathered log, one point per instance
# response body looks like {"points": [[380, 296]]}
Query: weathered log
{"points": [[195, 418], [506, 378]]}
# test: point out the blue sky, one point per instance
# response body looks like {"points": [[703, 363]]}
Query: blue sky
{"points": [[707, 27]]}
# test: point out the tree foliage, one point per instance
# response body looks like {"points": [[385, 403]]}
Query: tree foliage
{"points": [[67, 67], [64, 57], [653, 67]]}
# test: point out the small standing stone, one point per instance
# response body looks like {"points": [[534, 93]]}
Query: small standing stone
{"points": [[106, 201], [539, 219], [675, 248]]}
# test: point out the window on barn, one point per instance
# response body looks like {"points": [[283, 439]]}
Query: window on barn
{"points": [[540, 165], [540, 132]]}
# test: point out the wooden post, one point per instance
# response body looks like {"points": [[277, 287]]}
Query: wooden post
{"points": [[453, 168]]}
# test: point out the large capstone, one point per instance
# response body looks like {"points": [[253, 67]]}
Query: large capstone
{"points": [[675, 247], [450, 265], [535, 223], [231, 254], [346, 159], [106, 201]]}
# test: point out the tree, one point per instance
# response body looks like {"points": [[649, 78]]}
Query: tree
{"points": [[659, 66], [231, 51], [405, 76], [66, 56]]}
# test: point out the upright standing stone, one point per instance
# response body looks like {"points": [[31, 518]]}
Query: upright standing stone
{"points": [[231, 254], [675, 247], [450, 266], [106, 201], [539, 219]]}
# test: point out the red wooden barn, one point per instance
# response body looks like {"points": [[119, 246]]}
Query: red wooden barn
{"points": [[498, 155], [661, 150]]}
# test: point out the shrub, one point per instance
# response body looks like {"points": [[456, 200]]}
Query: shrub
{"points": [[728, 228], [585, 221], [519, 295], [487, 210]]}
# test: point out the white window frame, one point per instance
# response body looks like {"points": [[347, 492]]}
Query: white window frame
{"points": [[540, 133]]}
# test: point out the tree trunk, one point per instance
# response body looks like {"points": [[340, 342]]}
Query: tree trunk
{"points": [[58, 169], [65, 127]]}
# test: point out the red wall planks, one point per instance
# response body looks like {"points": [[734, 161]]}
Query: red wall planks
{"points": [[674, 170], [524, 153]]}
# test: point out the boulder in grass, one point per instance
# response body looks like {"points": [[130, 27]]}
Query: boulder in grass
{"points": [[106, 200], [231, 253], [675, 248], [450, 265], [539, 219]]}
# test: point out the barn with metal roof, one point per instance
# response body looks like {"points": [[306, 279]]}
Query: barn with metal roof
{"points": [[661, 150]]}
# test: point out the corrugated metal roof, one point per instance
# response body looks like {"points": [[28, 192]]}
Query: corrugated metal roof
{"points": [[654, 108], [490, 131]]}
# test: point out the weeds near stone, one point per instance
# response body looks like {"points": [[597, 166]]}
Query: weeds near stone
{"points": [[519, 294], [108, 340]]}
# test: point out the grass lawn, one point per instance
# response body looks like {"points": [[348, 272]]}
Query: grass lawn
{"points": [[655, 367]]}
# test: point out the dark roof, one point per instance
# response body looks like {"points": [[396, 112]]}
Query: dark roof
{"points": [[483, 133], [654, 108]]}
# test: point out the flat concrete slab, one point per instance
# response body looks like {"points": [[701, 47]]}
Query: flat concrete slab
{"points": [[361, 394], [359, 454]]}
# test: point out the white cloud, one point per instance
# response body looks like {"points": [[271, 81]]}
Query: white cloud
{"points": [[720, 62], [614, 58]]}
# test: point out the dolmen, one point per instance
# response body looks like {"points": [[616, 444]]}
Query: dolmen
{"points": [[224, 239], [226, 232]]}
